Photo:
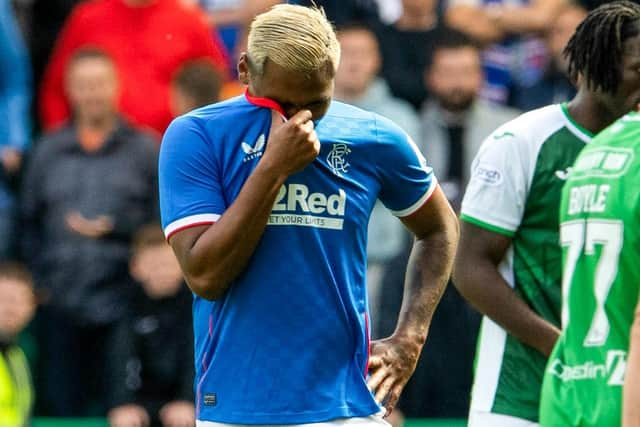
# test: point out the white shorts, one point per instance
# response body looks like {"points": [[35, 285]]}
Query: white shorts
{"points": [[488, 419], [375, 420]]}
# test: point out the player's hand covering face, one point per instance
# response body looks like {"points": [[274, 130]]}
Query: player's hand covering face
{"points": [[293, 91], [293, 143]]}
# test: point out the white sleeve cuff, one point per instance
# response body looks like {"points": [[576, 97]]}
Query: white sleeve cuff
{"points": [[421, 201], [188, 222]]}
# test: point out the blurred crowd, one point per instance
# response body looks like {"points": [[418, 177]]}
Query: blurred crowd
{"points": [[86, 90]]}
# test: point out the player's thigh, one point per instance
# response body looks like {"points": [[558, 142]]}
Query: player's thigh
{"points": [[488, 419], [556, 404]]}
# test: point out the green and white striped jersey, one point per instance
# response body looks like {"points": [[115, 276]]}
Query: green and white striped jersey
{"points": [[515, 186], [600, 237]]}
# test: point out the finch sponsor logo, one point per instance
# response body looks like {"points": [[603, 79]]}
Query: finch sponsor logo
{"points": [[255, 151], [488, 174], [336, 159], [612, 370], [296, 205]]}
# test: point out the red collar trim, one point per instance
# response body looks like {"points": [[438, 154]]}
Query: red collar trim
{"points": [[264, 102]]}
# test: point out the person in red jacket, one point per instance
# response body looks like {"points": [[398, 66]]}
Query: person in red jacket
{"points": [[148, 40]]}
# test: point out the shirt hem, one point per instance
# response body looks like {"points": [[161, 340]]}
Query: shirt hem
{"points": [[513, 413], [291, 418]]}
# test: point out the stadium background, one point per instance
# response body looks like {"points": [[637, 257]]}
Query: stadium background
{"points": [[390, 51]]}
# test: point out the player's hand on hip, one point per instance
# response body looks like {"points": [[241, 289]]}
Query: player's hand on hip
{"points": [[292, 144], [391, 362]]}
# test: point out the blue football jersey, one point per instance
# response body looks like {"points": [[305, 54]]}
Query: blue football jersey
{"points": [[289, 341]]}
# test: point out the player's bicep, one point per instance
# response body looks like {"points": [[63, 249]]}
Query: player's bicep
{"points": [[184, 240], [475, 265], [432, 216], [478, 242], [189, 180]]}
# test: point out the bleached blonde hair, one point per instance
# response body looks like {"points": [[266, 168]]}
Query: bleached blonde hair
{"points": [[296, 38]]}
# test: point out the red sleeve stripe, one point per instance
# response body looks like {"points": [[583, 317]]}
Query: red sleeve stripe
{"points": [[188, 222]]}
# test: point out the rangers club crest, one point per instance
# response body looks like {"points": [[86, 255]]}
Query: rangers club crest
{"points": [[336, 159]]}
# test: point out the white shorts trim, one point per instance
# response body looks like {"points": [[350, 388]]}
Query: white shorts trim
{"points": [[488, 365], [488, 419], [490, 351]]}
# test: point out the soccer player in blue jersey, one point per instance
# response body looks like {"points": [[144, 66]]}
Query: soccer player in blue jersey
{"points": [[265, 199]]}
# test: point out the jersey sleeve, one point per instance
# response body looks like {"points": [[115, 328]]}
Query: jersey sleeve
{"points": [[189, 181], [497, 191], [406, 180]]}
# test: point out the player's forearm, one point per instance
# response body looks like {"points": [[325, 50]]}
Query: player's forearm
{"points": [[211, 257], [479, 281], [631, 393], [221, 253], [475, 23], [521, 20], [428, 272]]}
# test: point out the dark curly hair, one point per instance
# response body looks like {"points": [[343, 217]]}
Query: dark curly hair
{"points": [[595, 51]]}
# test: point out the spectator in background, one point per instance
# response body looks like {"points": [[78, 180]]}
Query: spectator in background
{"points": [[357, 83], [514, 55], [44, 21], [455, 120], [591, 4], [196, 84], [509, 263], [151, 354], [389, 10], [555, 86], [342, 12], [402, 66], [148, 41], [88, 187], [454, 124], [17, 305], [231, 18], [15, 131]]}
